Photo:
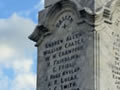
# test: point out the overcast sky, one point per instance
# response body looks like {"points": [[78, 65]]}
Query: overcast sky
{"points": [[17, 53]]}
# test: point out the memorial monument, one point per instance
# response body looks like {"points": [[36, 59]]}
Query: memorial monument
{"points": [[78, 44]]}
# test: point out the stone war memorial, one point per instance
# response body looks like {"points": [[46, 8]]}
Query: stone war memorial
{"points": [[78, 43]]}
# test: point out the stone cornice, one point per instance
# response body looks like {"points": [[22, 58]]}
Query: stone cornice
{"points": [[95, 12], [87, 12], [38, 33]]}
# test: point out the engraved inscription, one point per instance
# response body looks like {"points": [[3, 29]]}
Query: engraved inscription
{"points": [[61, 57], [116, 66], [64, 21]]}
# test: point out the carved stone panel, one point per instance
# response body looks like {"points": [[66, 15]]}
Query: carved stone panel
{"points": [[108, 36], [65, 57]]}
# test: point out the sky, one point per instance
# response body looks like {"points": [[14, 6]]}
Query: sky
{"points": [[18, 56]]}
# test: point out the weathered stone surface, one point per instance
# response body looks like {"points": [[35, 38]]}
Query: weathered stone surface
{"points": [[50, 2], [78, 45], [65, 57]]}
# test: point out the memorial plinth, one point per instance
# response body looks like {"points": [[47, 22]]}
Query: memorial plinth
{"points": [[78, 44]]}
